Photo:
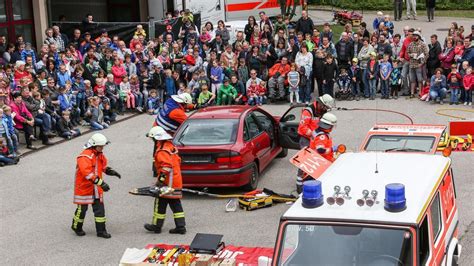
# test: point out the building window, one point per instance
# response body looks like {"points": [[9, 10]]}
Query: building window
{"points": [[16, 18]]}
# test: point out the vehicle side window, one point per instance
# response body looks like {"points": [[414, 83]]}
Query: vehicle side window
{"points": [[264, 120], [246, 133], [424, 240], [252, 127], [436, 222]]}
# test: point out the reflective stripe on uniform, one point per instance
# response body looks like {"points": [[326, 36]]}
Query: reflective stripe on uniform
{"points": [[178, 215], [89, 176], [100, 219], [76, 218], [159, 215]]}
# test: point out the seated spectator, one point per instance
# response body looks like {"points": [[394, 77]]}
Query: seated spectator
{"points": [[66, 128], [7, 130], [226, 94], [277, 75], [97, 115], [240, 88], [153, 103], [206, 97], [6, 158], [438, 87], [253, 93], [23, 119], [110, 115]]}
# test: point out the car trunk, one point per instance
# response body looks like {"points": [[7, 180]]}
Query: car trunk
{"points": [[208, 158]]}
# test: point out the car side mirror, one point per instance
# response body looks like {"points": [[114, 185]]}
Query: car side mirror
{"points": [[289, 118]]}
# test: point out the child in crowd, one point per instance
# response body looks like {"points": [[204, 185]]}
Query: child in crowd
{"points": [[355, 74], [66, 128], [293, 82], [371, 75], [97, 116], [243, 71], [205, 36], [458, 50], [170, 84], [329, 75], [425, 92], [5, 133], [344, 83], [99, 89], [135, 90], [126, 93], [113, 94], [10, 128], [153, 104], [252, 93], [182, 89], [109, 114], [309, 42], [302, 85], [454, 85], [206, 97], [216, 76], [6, 158], [262, 92], [385, 72], [395, 80], [316, 36], [468, 84], [88, 91]]}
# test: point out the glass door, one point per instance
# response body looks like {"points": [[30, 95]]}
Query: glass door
{"points": [[16, 18]]}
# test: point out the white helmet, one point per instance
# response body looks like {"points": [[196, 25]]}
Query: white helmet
{"points": [[327, 100], [158, 133], [96, 140], [183, 98], [327, 121]]}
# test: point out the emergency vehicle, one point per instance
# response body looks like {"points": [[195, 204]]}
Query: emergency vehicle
{"points": [[226, 10], [374, 208]]}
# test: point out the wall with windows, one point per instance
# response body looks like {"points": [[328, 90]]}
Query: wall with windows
{"points": [[16, 18]]}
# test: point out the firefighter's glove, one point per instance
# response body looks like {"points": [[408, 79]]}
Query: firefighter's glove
{"points": [[165, 190], [321, 150], [112, 172], [162, 178], [98, 181]]}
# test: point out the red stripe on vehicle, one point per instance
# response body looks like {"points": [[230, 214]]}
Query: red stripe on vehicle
{"points": [[242, 6]]}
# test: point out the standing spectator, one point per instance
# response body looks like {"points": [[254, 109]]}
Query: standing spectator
{"points": [[345, 51], [305, 23], [222, 30], [377, 20], [446, 57], [329, 75], [433, 61], [396, 46], [395, 80], [468, 53], [63, 76], [418, 53], [88, 23], [411, 9], [61, 40], [216, 77], [385, 72], [249, 27], [355, 74], [305, 59], [438, 87], [430, 9], [277, 76], [264, 20], [127, 93], [468, 85], [371, 73], [135, 90], [118, 71], [405, 60], [293, 82], [318, 63], [454, 85], [363, 57]]}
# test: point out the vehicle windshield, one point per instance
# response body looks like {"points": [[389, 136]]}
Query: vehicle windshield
{"points": [[207, 132], [400, 143], [314, 244]]}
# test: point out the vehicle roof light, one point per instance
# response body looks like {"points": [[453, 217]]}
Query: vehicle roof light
{"points": [[395, 200], [312, 194]]}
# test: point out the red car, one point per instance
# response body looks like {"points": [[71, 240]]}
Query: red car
{"points": [[229, 146]]}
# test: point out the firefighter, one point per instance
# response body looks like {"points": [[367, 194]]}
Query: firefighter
{"points": [[308, 124], [172, 115], [322, 142], [169, 181], [90, 186]]}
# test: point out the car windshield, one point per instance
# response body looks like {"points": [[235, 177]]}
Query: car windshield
{"points": [[311, 244], [400, 143], [207, 132]]}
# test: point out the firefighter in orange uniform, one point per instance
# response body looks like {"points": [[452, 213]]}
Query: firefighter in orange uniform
{"points": [[90, 186], [322, 142], [308, 124], [169, 181]]}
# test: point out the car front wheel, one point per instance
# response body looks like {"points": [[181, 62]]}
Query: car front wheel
{"points": [[253, 179]]}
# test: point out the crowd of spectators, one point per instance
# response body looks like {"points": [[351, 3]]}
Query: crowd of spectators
{"points": [[89, 80]]}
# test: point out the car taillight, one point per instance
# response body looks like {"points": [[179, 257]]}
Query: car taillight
{"points": [[233, 157]]}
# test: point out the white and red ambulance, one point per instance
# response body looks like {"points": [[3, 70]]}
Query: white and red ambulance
{"points": [[374, 208]]}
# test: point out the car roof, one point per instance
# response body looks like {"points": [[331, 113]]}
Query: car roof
{"points": [[420, 173], [227, 111]]}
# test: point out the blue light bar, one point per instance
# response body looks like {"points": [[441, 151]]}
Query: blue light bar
{"points": [[312, 194], [395, 200]]}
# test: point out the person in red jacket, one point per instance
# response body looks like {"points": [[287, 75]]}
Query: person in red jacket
{"points": [[405, 61], [468, 84], [277, 74], [89, 185], [24, 120], [308, 123], [321, 141], [169, 182]]}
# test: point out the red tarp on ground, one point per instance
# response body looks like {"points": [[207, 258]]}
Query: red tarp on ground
{"points": [[242, 255]]}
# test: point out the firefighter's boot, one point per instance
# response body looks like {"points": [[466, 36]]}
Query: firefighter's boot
{"points": [[153, 228], [101, 230], [77, 228], [178, 230]]}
